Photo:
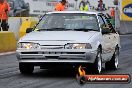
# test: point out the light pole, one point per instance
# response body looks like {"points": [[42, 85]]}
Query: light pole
{"points": [[76, 4], [117, 17]]}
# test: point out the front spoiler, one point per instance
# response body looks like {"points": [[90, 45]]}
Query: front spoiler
{"points": [[63, 56], [54, 61]]}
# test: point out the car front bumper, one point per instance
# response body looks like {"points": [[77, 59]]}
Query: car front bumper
{"points": [[56, 56]]}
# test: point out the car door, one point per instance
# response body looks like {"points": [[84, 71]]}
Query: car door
{"points": [[114, 36], [107, 35]]}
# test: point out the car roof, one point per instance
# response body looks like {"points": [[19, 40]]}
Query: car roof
{"points": [[86, 12]]}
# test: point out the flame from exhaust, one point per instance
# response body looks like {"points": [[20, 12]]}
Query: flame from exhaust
{"points": [[81, 71]]}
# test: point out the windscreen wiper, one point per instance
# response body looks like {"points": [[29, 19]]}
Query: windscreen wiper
{"points": [[84, 29], [42, 30], [55, 29]]}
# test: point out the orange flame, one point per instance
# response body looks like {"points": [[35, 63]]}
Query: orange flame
{"points": [[81, 71]]}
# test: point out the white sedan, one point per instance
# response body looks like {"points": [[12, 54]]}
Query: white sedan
{"points": [[70, 38]]}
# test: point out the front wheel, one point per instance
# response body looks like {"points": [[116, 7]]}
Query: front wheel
{"points": [[26, 68], [97, 66]]}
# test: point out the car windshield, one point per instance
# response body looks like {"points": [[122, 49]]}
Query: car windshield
{"points": [[68, 22]]}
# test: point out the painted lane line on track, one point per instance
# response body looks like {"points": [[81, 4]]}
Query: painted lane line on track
{"points": [[7, 53]]}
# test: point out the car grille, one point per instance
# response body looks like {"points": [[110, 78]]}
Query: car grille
{"points": [[52, 47], [53, 53]]}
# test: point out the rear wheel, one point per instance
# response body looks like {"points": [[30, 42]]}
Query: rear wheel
{"points": [[113, 63], [26, 68]]}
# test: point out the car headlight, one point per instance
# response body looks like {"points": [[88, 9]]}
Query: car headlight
{"points": [[28, 45], [78, 46]]}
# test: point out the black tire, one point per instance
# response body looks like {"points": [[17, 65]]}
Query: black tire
{"points": [[97, 66], [26, 68], [113, 63]]}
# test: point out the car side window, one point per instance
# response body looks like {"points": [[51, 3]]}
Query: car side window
{"points": [[108, 25], [105, 25], [101, 21]]}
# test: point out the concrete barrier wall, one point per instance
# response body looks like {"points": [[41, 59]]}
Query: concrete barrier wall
{"points": [[7, 42], [14, 25], [16, 22], [126, 27]]}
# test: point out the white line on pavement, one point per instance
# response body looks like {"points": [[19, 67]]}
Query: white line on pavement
{"points": [[7, 53]]}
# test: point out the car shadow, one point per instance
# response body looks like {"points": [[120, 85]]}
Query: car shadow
{"points": [[53, 73], [63, 73]]}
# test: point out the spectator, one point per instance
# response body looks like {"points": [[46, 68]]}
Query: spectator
{"points": [[101, 6], [84, 5], [112, 14], [61, 6], [4, 11]]}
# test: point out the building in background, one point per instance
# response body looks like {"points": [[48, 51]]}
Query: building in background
{"points": [[18, 8], [39, 7]]}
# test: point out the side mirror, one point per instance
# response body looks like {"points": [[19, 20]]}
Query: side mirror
{"points": [[28, 30], [105, 30]]}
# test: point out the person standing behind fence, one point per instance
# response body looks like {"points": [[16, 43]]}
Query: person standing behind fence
{"points": [[61, 6], [101, 6], [4, 11], [84, 5], [112, 14]]}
